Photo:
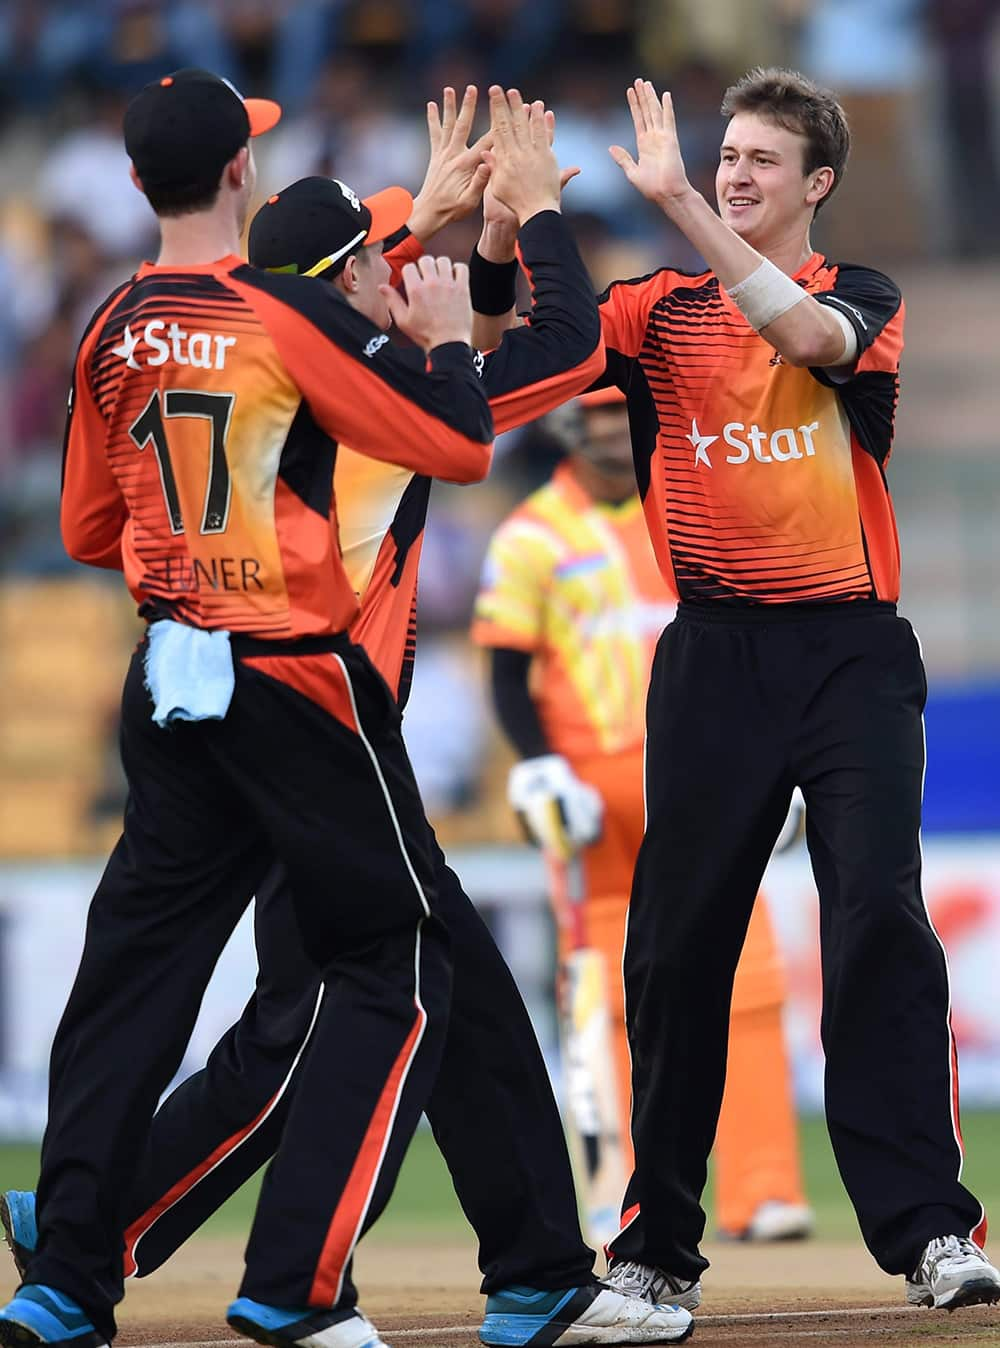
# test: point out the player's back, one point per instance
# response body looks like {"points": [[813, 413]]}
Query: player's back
{"points": [[208, 406]]}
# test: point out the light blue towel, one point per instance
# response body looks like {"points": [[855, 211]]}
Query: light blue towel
{"points": [[189, 673]]}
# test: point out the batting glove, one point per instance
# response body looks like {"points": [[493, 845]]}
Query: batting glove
{"points": [[559, 813], [794, 826]]}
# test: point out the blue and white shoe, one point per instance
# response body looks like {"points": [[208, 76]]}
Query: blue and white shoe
{"points": [[592, 1314], [17, 1216], [309, 1328], [41, 1315]]}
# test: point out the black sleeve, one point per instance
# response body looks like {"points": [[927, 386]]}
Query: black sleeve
{"points": [[558, 353], [872, 304], [515, 707], [618, 371], [868, 390], [427, 414]]}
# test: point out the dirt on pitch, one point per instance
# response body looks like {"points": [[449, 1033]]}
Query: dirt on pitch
{"points": [[812, 1294]]}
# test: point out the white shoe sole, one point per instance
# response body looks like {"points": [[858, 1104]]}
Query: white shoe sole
{"points": [[974, 1292], [594, 1334]]}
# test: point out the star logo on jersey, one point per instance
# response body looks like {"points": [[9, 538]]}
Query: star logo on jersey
{"points": [[701, 444], [127, 348]]}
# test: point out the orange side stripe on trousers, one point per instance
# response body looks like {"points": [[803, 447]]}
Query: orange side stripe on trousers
{"points": [[142, 1224], [346, 1224]]}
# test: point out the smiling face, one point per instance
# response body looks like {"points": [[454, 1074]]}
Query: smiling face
{"points": [[763, 192]]}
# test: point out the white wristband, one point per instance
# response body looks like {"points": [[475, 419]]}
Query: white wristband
{"points": [[765, 295]]}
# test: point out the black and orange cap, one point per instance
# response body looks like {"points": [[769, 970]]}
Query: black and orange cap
{"points": [[183, 129], [312, 226]]}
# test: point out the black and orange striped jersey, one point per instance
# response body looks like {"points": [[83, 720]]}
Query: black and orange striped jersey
{"points": [[761, 482], [207, 410], [382, 510]]}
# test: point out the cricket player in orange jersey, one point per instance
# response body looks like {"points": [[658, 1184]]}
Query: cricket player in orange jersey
{"points": [[207, 402], [761, 395], [571, 606], [492, 1096]]}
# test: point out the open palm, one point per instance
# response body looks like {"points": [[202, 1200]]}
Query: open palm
{"points": [[659, 171], [456, 174]]}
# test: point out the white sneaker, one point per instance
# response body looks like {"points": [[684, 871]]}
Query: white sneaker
{"points": [[646, 1283], [310, 1327], [953, 1272], [777, 1220], [591, 1314]]}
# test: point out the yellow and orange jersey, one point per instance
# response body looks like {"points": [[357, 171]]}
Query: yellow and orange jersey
{"points": [[575, 582], [207, 407], [761, 483]]}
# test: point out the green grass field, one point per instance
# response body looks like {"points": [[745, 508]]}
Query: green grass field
{"points": [[424, 1202]]}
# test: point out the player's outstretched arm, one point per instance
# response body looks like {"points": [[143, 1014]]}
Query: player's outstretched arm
{"points": [[559, 352], [525, 179], [494, 285], [805, 332], [423, 410]]}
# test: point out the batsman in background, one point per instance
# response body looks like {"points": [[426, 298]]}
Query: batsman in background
{"points": [[571, 606]]}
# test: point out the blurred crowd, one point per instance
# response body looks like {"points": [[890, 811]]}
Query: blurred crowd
{"points": [[919, 79]]}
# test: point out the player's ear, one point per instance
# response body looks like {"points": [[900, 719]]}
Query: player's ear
{"points": [[819, 185], [236, 171], [348, 277], [136, 180]]}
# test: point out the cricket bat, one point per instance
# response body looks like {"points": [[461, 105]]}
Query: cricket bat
{"points": [[590, 1087]]}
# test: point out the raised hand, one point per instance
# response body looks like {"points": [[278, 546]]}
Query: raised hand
{"points": [[659, 172], [524, 173], [437, 307], [456, 174]]}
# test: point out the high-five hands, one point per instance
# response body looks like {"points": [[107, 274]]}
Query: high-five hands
{"points": [[659, 172], [456, 174], [525, 177]]}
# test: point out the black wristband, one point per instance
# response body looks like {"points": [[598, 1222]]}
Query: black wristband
{"points": [[493, 285]]}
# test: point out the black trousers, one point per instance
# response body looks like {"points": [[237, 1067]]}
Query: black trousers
{"points": [[309, 766], [743, 705], [491, 1108]]}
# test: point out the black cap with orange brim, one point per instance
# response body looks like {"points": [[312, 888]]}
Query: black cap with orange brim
{"points": [[313, 226], [182, 130]]}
